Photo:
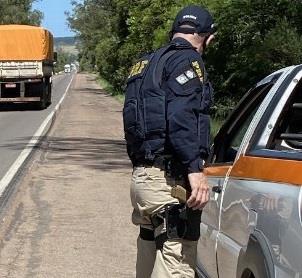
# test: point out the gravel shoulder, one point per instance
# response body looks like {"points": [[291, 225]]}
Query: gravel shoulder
{"points": [[71, 214]]}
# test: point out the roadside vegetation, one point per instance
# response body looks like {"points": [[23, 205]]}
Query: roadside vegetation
{"points": [[107, 86], [19, 12], [67, 52], [64, 58], [254, 38]]}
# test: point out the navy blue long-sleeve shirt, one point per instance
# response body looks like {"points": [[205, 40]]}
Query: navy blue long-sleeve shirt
{"points": [[189, 96]]}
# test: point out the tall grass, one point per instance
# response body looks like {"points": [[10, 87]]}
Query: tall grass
{"points": [[106, 86], [215, 126]]}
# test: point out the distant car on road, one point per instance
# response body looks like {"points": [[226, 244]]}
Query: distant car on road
{"points": [[251, 227], [67, 68]]}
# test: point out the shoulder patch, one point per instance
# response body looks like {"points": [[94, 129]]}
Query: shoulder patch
{"points": [[190, 74], [182, 79], [198, 70], [186, 76], [138, 68]]}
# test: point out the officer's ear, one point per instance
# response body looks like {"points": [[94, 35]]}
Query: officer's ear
{"points": [[209, 39]]}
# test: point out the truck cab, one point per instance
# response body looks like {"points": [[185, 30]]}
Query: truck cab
{"points": [[67, 68]]}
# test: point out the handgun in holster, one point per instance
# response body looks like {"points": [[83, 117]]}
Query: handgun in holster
{"points": [[176, 220], [180, 193], [182, 222]]}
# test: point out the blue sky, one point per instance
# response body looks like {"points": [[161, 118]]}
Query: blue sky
{"points": [[54, 17]]}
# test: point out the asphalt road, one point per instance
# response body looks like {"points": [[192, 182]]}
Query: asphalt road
{"points": [[19, 122]]}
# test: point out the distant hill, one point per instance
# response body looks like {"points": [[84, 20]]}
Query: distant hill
{"points": [[66, 44], [65, 40]]}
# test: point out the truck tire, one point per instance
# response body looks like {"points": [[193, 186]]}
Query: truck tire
{"points": [[253, 264], [43, 101], [49, 91]]}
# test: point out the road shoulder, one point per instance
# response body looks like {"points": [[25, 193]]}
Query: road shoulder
{"points": [[71, 216]]}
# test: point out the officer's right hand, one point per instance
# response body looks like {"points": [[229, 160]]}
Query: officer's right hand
{"points": [[200, 191]]}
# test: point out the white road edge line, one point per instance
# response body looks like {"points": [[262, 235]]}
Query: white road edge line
{"points": [[8, 177]]}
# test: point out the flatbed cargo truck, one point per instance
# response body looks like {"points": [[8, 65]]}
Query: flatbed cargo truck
{"points": [[26, 64]]}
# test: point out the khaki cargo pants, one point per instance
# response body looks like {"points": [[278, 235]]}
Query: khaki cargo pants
{"points": [[150, 191]]}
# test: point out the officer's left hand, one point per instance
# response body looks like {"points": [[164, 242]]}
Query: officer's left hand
{"points": [[200, 191]]}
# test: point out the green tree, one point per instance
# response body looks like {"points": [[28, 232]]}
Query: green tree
{"points": [[64, 58], [251, 33], [255, 37], [19, 12]]}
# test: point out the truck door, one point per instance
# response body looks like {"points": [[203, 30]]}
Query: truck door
{"points": [[242, 193], [223, 154]]}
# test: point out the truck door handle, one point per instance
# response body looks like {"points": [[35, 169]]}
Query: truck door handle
{"points": [[217, 189]]}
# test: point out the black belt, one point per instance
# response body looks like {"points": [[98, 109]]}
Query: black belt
{"points": [[167, 164], [160, 162]]}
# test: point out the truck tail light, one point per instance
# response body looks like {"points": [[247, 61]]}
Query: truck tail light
{"points": [[10, 85]]}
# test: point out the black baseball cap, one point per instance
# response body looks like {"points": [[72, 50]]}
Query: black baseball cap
{"points": [[197, 17]]}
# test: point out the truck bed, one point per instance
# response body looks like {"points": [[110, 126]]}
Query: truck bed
{"points": [[20, 70]]}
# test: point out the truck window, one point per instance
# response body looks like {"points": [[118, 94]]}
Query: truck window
{"points": [[279, 133], [288, 130], [229, 138]]}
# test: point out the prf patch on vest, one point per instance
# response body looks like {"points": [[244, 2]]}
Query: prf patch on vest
{"points": [[138, 68], [186, 77], [198, 70]]}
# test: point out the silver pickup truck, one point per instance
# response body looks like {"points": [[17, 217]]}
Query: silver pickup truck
{"points": [[251, 227]]}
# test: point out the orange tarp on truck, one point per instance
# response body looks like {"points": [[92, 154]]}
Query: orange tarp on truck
{"points": [[25, 43]]}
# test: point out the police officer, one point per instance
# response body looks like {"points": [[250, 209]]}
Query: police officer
{"points": [[169, 231]]}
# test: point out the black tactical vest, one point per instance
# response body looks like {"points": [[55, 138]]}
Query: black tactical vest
{"points": [[144, 112]]}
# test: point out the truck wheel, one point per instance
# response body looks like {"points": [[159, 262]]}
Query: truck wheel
{"points": [[49, 89], [253, 264], [43, 101]]}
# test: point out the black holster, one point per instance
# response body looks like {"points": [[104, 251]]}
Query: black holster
{"points": [[180, 222]]}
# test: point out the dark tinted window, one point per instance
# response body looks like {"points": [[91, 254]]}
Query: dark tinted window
{"points": [[230, 136], [287, 134], [279, 134]]}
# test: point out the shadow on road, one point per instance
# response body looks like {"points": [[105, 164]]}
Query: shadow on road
{"points": [[6, 107], [102, 154]]}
